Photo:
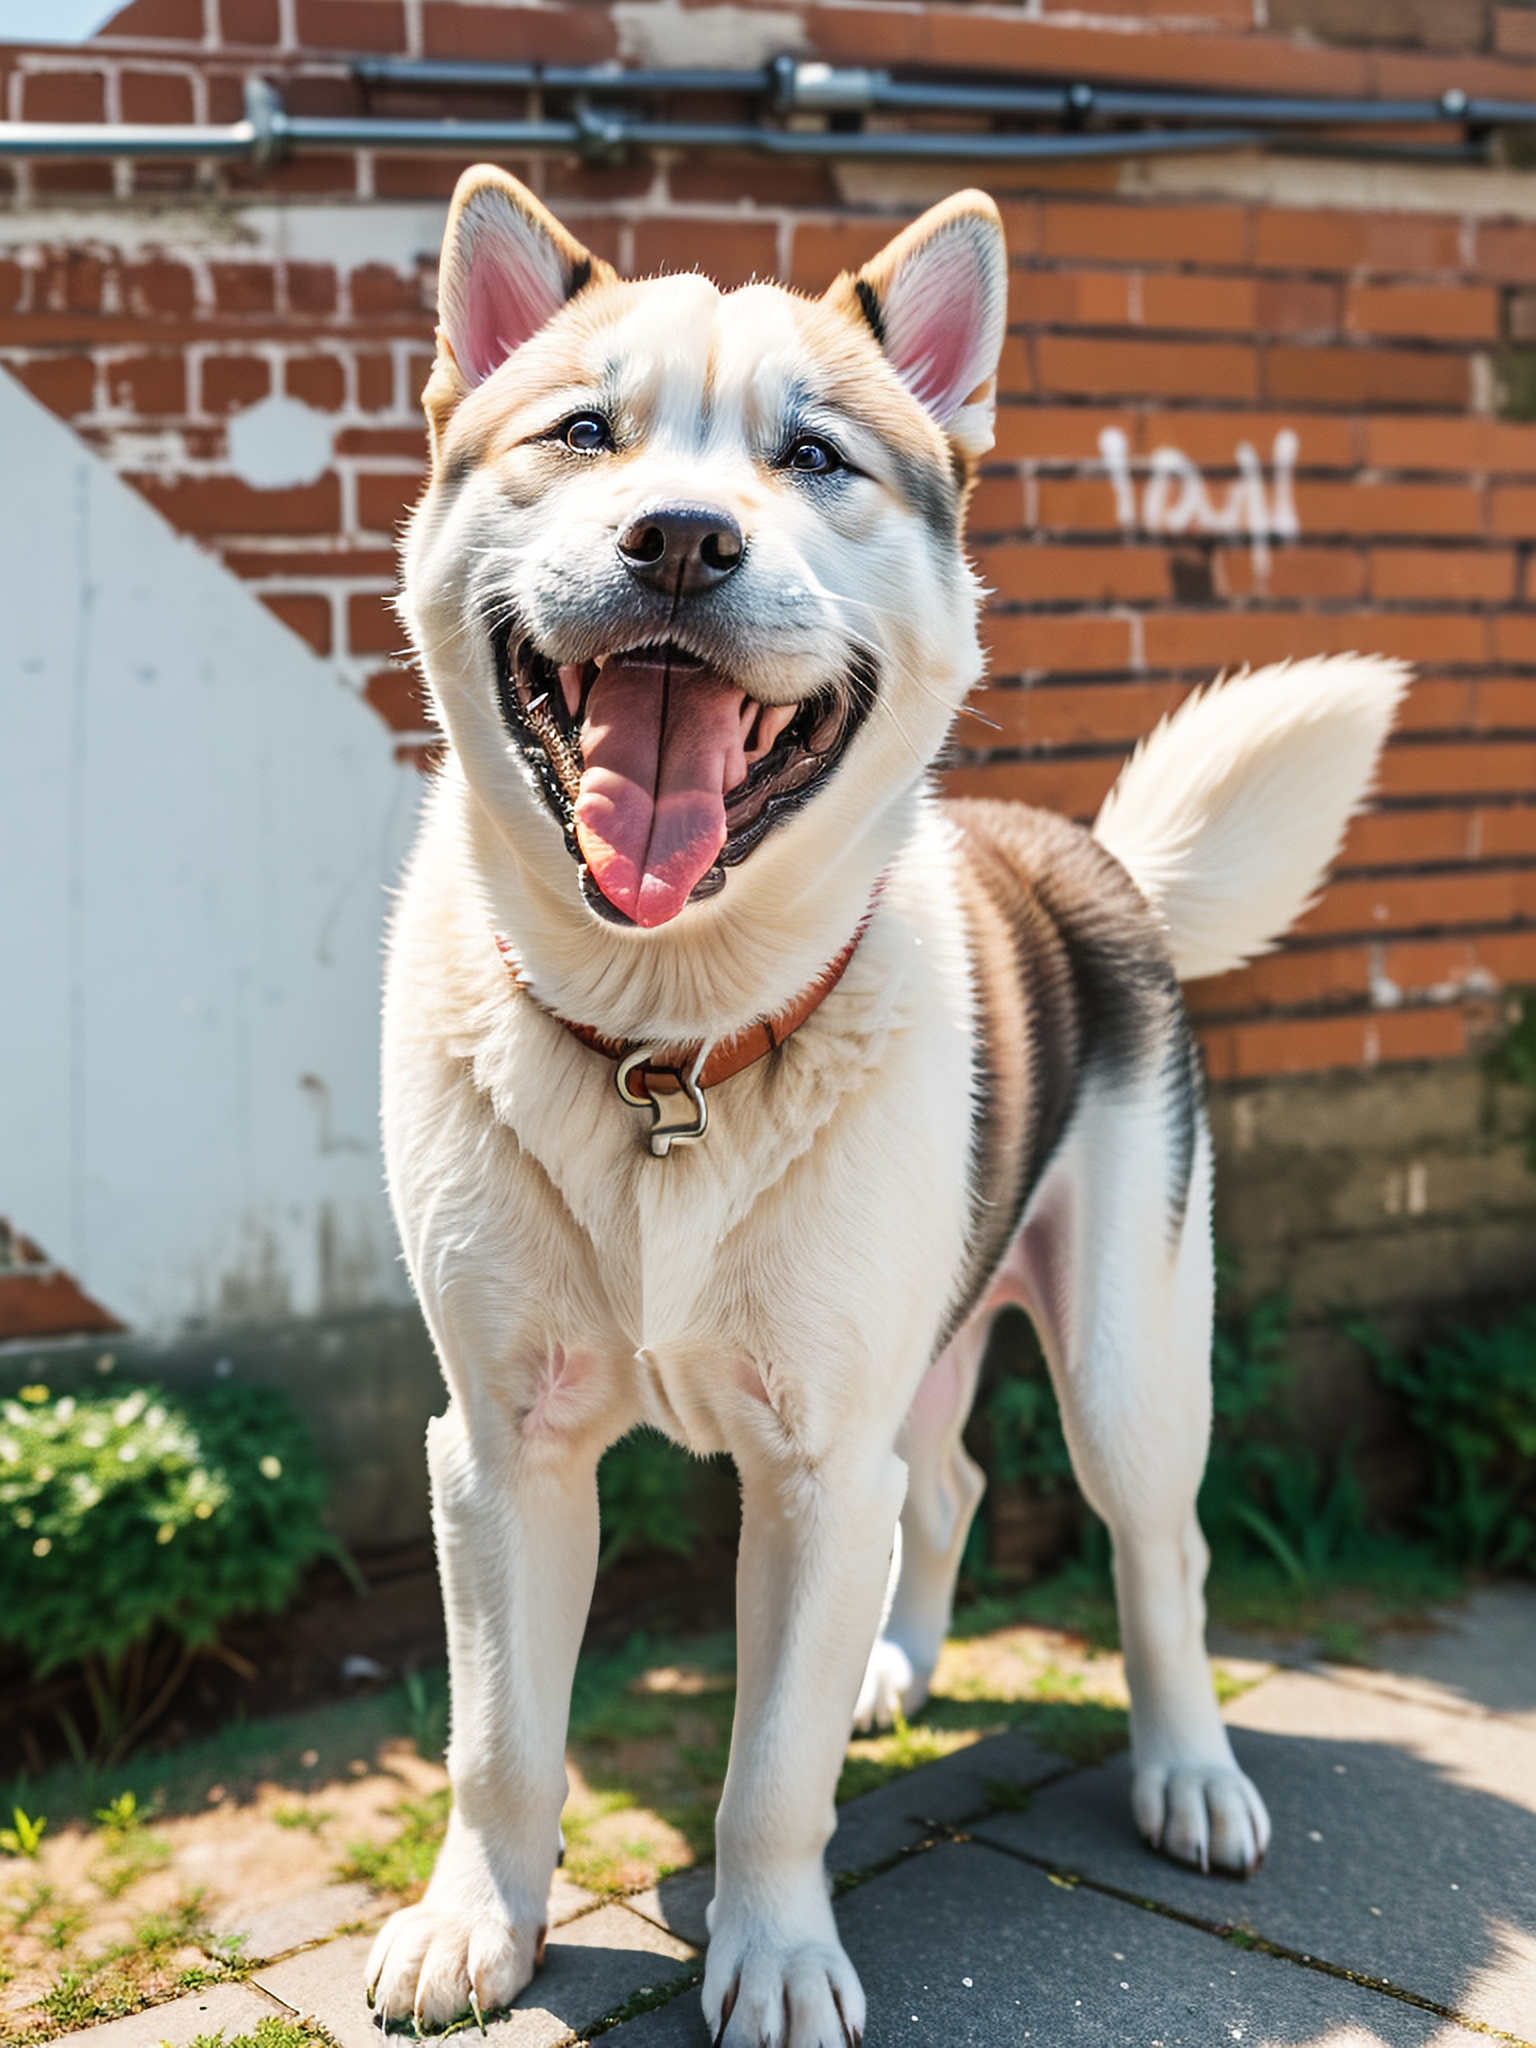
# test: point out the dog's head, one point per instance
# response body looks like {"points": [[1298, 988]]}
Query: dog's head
{"points": [[689, 561]]}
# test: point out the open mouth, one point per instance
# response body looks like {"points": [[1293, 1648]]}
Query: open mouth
{"points": [[663, 772]]}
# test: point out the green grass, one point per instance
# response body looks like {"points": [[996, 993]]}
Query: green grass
{"points": [[240, 1756], [1392, 1581], [402, 1864], [126, 1975], [270, 2033]]}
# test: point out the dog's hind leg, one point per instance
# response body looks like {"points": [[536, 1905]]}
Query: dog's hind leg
{"points": [[1115, 1264], [944, 1488]]}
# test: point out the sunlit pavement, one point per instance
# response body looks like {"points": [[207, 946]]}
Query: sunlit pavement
{"points": [[1002, 1895]]}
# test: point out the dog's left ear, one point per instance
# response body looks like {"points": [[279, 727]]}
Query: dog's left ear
{"points": [[937, 301], [508, 266]]}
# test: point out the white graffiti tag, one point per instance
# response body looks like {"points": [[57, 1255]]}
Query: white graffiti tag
{"points": [[1177, 499]]}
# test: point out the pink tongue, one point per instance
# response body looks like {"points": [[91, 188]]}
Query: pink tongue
{"points": [[662, 745]]}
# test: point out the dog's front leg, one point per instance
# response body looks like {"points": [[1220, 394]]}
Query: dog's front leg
{"points": [[815, 1553], [517, 1536]]}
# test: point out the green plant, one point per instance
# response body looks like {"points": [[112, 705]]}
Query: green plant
{"points": [[1265, 1492], [645, 1489], [129, 1973], [131, 1849], [426, 1701], [1471, 1396], [1513, 1060], [310, 1818], [1264, 1486], [133, 1526], [404, 1863], [272, 2032], [120, 1816], [1024, 1439], [25, 1838]]}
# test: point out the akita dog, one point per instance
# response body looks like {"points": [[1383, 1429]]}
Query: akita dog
{"points": [[732, 1081]]}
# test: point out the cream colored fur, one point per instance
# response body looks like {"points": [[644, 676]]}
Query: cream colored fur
{"points": [[1228, 813], [781, 1291]]}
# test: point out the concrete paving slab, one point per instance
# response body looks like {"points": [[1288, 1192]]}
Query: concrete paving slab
{"points": [[972, 1949], [679, 1903], [591, 1965], [566, 1900], [230, 2008], [1481, 1652], [1404, 1845], [326, 1983], [299, 1920], [880, 1824]]}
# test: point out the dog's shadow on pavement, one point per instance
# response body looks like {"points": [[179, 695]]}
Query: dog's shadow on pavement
{"points": [[1399, 1895]]}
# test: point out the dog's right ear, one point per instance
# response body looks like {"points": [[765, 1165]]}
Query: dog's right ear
{"points": [[508, 266]]}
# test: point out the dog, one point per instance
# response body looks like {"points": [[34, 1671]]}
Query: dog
{"points": [[732, 1082]]}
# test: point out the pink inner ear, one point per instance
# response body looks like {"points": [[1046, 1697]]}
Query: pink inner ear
{"points": [[938, 322], [509, 283]]}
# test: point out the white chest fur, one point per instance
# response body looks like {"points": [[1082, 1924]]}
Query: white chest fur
{"points": [[806, 1251]]}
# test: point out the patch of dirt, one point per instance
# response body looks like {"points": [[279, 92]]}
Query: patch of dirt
{"points": [[275, 1664]]}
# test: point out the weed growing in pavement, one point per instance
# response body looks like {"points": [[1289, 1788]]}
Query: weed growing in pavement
{"points": [[26, 1837], [311, 1818], [130, 1849], [402, 1864], [270, 2033], [150, 1963]]}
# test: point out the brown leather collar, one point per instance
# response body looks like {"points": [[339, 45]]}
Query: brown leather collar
{"points": [[665, 1065], [655, 1074]]}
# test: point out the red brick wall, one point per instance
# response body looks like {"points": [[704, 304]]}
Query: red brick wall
{"points": [[1376, 338]]}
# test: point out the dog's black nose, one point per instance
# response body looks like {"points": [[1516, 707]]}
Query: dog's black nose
{"points": [[681, 549]]}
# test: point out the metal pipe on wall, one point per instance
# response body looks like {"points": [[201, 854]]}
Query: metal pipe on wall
{"points": [[603, 134]]}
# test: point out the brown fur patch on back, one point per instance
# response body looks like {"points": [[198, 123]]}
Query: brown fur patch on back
{"points": [[1072, 976]]}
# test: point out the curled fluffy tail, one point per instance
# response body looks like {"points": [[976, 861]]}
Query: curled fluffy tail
{"points": [[1227, 816]]}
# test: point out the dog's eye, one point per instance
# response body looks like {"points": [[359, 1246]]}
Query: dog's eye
{"points": [[810, 457], [588, 433]]}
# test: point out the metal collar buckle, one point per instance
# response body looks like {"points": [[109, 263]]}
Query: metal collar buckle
{"points": [[679, 1116]]}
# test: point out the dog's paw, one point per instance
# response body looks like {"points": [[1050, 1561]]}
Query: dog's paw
{"points": [[768, 1995], [431, 1966], [1209, 1815], [890, 1687]]}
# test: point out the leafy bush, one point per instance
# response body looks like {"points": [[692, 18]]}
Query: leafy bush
{"points": [[648, 1490], [1471, 1397], [1266, 1492], [1024, 1443], [133, 1526], [1265, 1487]]}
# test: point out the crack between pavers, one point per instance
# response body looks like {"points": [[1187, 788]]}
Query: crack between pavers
{"points": [[845, 1881], [248, 1970], [1241, 1937]]}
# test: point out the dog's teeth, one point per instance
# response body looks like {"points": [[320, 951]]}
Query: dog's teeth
{"points": [[538, 703], [771, 721], [571, 673]]}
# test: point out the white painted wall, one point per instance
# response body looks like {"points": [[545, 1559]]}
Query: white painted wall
{"points": [[198, 822]]}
